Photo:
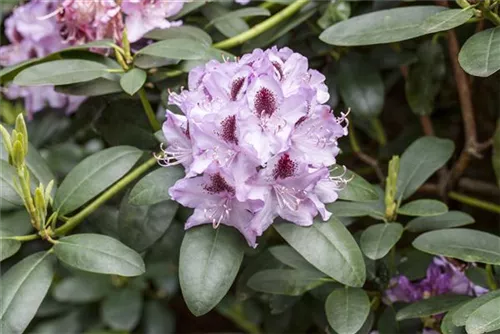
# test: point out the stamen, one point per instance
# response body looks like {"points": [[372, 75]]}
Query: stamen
{"points": [[173, 155], [49, 15], [287, 197], [339, 181], [218, 213]]}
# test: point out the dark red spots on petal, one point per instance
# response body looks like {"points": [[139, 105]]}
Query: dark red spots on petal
{"points": [[265, 102], [300, 121], [236, 88], [186, 132], [278, 68], [228, 133], [284, 168], [218, 184]]}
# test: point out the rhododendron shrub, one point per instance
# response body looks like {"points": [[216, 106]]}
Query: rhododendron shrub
{"points": [[275, 167]]}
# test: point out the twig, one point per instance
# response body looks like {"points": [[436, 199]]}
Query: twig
{"points": [[372, 162]]}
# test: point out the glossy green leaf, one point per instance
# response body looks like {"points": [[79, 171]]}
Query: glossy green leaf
{"points": [[360, 85], [93, 175], [496, 153], [158, 319], [347, 309], [414, 264], [23, 288], [356, 209], [9, 73], [423, 207], [477, 275], [229, 27], [425, 78], [187, 8], [99, 254], [208, 264], [177, 48], [419, 161], [290, 282], [377, 240], [60, 72], [485, 319], [82, 289], [96, 87], [67, 324], [8, 247], [463, 313], [153, 188], [121, 310], [446, 19], [133, 80], [446, 220], [241, 13], [9, 198], [480, 55], [460, 243], [384, 26], [434, 305], [16, 223], [344, 262], [447, 325], [357, 189], [141, 226], [291, 258], [185, 31]]}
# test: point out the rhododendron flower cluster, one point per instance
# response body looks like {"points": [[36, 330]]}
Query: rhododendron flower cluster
{"points": [[256, 141]]}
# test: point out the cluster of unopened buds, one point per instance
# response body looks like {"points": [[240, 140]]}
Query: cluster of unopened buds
{"points": [[257, 141]]}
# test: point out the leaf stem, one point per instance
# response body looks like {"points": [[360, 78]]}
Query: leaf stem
{"points": [[149, 110], [28, 237], [263, 26], [72, 222], [474, 202]]}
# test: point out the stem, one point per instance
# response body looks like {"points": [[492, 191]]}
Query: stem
{"points": [[474, 202], [379, 131], [492, 284], [24, 237], [261, 27], [362, 156], [117, 187], [149, 110]]}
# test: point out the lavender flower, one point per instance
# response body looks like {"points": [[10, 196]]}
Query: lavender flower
{"points": [[256, 141]]}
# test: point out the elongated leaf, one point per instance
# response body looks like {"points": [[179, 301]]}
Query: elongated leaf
{"points": [[291, 258], [431, 306], [60, 72], [423, 207], [485, 319], [99, 254], [229, 27], [158, 319], [96, 87], [133, 80], [464, 244], [461, 315], [9, 198], [93, 175], [185, 31], [8, 247], [209, 261], [178, 48], [356, 209], [23, 288], [446, 220], [361, 85], [241, 13], [290, 282], [9, 73], [384, 26], [121, 310], [358, 189], [377, 240], [447, 326], [480, 55], [153, 188], [420, 160], [82, 289], [446, 19], [347, 310], [496, 152], [344, 262], [15, 223]]}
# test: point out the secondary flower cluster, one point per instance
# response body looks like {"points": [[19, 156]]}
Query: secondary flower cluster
{"points": [[256, 141]]}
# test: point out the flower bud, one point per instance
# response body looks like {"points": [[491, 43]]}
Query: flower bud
{"points": [[6, 140], [17, 154], [21, 129]]}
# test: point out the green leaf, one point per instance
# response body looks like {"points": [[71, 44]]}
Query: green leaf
{"points": [[229, 27], [446, 19], [178, 48], [357, 190], [23, 288], [360, 85], [9, 198], [463, 313], [384, 26], [423, 207], [425, 78], [356, 209], [290, 282], [99, 254], [414, 264], [464, 244], [185, 31], [496, 153], [158, 319], [16, 223], [477, 275], [419, 161], [431, 306], [60, 72], [96, 87], [484, 319], [121, 310], [208, 264], [291, 258], [141, 226], [240, 13], [153, 188], [82, 289], [93, 175], [344, 262], [67, 324], [10, 72], [447, 326], [8, 247], [446, 220], [347, 309], [377, 240], [480, 55], [187, 8], [133, 80]]}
